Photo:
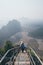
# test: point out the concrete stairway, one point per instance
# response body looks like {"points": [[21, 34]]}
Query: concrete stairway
{"points": [[22, 59]]}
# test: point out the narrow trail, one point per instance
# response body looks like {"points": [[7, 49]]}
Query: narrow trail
{"points": [[22, 59]]}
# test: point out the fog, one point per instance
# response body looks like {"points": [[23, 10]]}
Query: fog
{"points": [[16, 9]]}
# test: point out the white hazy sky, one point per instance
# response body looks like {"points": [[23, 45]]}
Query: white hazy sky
{"points": [[15, 9]]}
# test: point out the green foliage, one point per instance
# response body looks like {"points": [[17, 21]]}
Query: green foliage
{"points": [[2, 51], [8, 45]]}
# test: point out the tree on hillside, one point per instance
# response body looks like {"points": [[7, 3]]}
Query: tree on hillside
{"points": [[2, 51], [8, 45]]}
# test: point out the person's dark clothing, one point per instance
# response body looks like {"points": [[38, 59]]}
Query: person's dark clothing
{"points": [[22, 47]]}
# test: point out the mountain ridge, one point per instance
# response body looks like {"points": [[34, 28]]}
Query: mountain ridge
{"points": [[10, 29]]}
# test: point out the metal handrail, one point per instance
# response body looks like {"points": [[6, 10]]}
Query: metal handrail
{"points": [[32, 59], [36, 55], [5, 55]]}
